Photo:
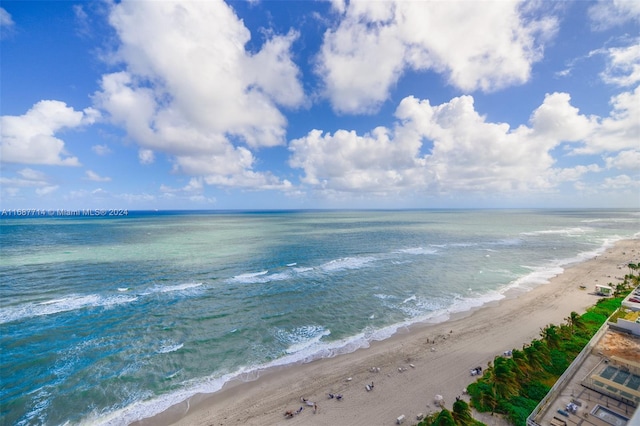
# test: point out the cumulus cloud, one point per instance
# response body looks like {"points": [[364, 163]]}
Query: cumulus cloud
{"points": [[623, 65], [31, 138], [609, 13], [620, 130], [476, 47], [625, 160], [452, 148], [192, 90]]}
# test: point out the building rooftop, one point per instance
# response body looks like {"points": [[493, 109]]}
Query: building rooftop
{"points": [[601, 388]]}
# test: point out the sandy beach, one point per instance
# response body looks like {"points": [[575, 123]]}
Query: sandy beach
{"points": [[410, 368]]}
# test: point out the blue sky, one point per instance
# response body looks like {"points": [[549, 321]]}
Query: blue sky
{"points": [[319, 104]]}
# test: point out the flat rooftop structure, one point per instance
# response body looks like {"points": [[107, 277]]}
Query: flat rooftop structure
{"points": [[632, 301], [601, 388], [617, 382]]}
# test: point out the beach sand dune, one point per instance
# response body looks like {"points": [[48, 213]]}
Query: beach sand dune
{"points": [[409, 369]]}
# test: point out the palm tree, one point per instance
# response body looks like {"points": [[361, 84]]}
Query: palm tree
{"points": [[462, 413], [504, 377], [537, 354], [445, 418], [521, 363], [551, 336], [574, 321]]}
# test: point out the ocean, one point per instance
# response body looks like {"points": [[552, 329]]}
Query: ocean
{"points": [[108, 320]]}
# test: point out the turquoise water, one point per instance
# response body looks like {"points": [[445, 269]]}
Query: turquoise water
{"points": [[110, 320]]}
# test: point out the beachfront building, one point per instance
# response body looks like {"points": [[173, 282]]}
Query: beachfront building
{"points": [[602, 385], [628, 316]]}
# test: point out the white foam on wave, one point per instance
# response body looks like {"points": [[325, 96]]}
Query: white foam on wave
{"points": [[417, 307], [538, 275], [260, 277], [569, 232], [347, 263], [178, 287], [65, 304], [183, 288], [170, 347], [613, 219], [249, 278], [507, 242], [41, 400], [543, 274], [383, 296], [292, 270], [466, 303], [302, 338], [409, 299], [263, 277], [418, 250]]}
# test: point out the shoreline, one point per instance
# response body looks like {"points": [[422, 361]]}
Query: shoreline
{"points": [[410, 367]]}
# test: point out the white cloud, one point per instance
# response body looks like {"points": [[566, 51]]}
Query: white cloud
{"points": [[46, 190], [101, 149], [192, 191], [451, 148], [27, 177], [558, 118], [345, 161], [609, 13], [623, 182], [625, 160], [83, 23], [623, 67], [146, 156], [192, 90], [30, 138], [32, 175], [6, 23], [476, 47], [620, 130], [93, 176]]}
